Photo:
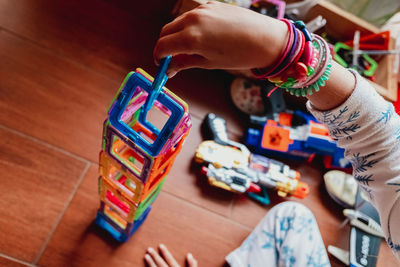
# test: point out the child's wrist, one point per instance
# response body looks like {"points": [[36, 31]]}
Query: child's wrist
{"points": [[273, 39], [303, 66]]}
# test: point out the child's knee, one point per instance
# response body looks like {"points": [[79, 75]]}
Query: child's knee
{"points": [[291, 208]]}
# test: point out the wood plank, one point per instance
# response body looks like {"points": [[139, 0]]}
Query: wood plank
{"points": [[36, 182], [181, 226], [109, 36], [5, 262], [51, 98]]}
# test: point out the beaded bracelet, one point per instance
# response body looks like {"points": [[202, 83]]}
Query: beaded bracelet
{"points": [[305, 64], [321, 74], [301, 67]]}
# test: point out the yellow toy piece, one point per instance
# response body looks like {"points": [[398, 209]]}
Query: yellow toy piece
{"points": [[221, 156]]}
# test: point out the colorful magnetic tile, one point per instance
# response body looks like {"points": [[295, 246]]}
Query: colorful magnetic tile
{"points": [[126, 153], [166, 91], [161, 167], [117, 200], [139, 221], [149, 200], [119, 233], [140, 164], [114, 217], [151, 185], [120, 177], [184, 125], [137, 154], [130, 99], [105, 224]]}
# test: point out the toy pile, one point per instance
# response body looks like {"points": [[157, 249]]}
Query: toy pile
{"points": [[230, 165], [136, 156]]}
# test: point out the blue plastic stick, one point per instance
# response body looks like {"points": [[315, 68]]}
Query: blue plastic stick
{"points": [[158, 83]]}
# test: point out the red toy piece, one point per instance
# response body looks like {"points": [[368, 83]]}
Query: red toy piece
{"points": [[378, 41]]}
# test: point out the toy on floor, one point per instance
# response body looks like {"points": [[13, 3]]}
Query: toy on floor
{"points": [[137, 154], [366, 232], [364, 64], [272, 8], [342, 188], [297, 135], [356, 53], [279, 132], [254, 98], [230, 166]]}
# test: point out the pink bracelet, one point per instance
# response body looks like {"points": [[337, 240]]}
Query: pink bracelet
{"points": [[300, 42]]}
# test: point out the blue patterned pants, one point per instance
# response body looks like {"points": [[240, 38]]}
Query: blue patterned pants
{"points": [[287, 236]]}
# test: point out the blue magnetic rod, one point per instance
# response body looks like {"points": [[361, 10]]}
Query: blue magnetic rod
{"points": [[158, 83]]}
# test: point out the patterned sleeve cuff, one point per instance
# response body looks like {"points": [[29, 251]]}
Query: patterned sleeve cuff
{"points": [[362, 106]]}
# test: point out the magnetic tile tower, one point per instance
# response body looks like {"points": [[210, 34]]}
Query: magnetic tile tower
{"points": [[137, 154]]}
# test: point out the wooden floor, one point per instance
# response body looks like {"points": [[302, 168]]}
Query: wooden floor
{"points": [[61, 62]]}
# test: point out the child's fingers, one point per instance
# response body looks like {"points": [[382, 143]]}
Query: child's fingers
{"points": [[159, 262], [174, 26], [182, 62], [149, 260], [192, 17], [173, 44], [191, 261], [168, 256]]}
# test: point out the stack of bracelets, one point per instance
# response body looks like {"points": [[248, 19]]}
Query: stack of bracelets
{"points": [[305, 64]]}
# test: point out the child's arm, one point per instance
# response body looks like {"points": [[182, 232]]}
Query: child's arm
{"points": [[368, 128], [222, 36]]}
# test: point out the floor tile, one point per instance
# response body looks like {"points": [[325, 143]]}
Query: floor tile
{"points": [[180, 225], [86, 35], [36, 182], [52, 99], [4, 262]]}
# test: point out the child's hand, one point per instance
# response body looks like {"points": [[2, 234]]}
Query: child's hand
{"points": [[165, 258], [221, 36]]}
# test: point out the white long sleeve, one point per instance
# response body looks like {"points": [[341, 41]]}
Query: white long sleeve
{"points": [[368, 128]]}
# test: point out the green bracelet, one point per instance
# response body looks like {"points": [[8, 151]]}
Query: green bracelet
{"points": [[309, 90]]}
